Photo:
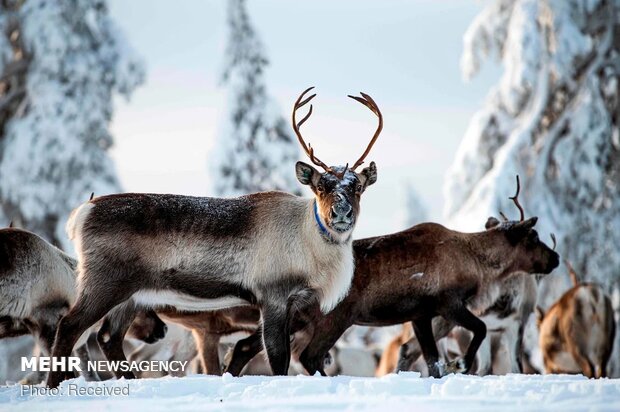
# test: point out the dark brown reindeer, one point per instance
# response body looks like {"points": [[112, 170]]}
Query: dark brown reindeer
{"points": [[416, 275], [37, 287], [577, 332], [505, 317], [271, 249]]}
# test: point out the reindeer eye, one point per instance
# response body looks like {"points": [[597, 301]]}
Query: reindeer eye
{"points": [[358, 189], [320, 188]]}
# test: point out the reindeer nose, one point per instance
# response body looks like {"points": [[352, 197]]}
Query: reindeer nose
{"points": [[342, 210]]}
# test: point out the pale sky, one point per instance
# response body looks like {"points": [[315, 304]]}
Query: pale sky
{"points": [[405, 54]]}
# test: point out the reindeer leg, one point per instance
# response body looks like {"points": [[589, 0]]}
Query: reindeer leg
{"points": [[245, 350], [424, 332], [463, 317], [112, 333], [582, 360], [276, 338], [411, 350], [207, 344], [485, 358], [44, 336], [324, 338], [84, 355], [87, 310]]}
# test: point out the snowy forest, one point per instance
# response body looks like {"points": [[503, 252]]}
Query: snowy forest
{"points": [[551, 117]]}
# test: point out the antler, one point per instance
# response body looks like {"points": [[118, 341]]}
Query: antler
{"points": [[554, 241], [367, 101], [515, 199], [307, 148], [571, 272]]}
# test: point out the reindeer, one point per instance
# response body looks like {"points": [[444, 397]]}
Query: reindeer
{"points": [[208, 328], [577, 332], [505, 317], [412, 276], [270, 249], [37, 287]]}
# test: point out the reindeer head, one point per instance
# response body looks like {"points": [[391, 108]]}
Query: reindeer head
{"points": [[528, 253], [337, 189], [148, 327]]}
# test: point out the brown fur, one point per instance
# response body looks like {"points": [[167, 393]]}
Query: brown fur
{"points": [[208, 328], [420, 273]]}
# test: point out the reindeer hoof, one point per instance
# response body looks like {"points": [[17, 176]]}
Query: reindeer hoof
{"points": [[455, 366]]}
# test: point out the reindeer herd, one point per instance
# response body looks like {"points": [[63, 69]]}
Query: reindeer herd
{"points": [[286, 272]]}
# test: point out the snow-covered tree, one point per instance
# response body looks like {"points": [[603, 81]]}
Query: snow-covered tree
{"points": [[255, 149], [61, 63], [415, 209], [553, 119]]}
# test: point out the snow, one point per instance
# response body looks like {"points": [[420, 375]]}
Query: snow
{"points": [[397, 392]]}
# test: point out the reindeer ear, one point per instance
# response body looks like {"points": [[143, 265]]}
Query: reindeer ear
{"points": [[491, 223], [306, 174], [530, 223], [540, 315], [369, 175]]}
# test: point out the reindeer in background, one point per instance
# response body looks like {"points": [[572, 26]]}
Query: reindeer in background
{"points": [[37, 287], [577, 332], [272, 249], [505, 315]]}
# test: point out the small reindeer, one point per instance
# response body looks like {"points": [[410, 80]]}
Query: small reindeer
{"points": [[37, 287], [412, 276], [271, 249], [209, 327], [577, 332]]}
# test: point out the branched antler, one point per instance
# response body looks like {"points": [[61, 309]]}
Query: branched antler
{"points": [[296, 125], [515, 199], [571, 272], [367, 101]]}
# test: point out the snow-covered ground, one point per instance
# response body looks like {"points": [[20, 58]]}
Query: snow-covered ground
{"points": [[406, 391]]}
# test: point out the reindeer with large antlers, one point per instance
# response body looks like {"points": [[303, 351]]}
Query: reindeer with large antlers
{"points": [[272, 249]]}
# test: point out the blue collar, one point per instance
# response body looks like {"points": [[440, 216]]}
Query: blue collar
{"points": [[322, 228]]}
